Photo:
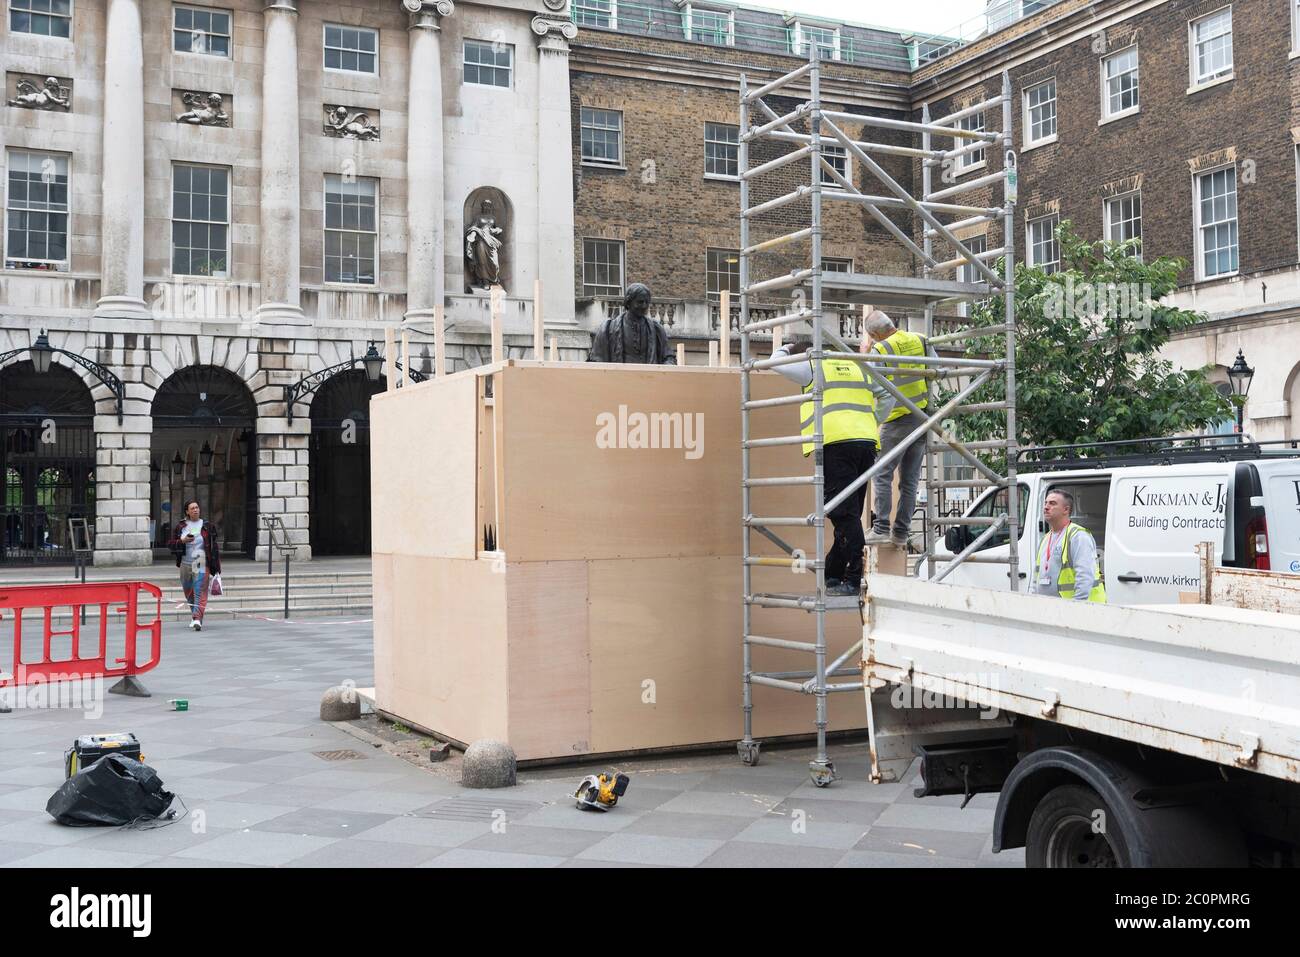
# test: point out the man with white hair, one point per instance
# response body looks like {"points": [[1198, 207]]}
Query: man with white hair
{"points": [[897, 422]]}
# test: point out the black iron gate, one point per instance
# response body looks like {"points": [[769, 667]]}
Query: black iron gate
{"points": [[340, 464], [48, 465]]}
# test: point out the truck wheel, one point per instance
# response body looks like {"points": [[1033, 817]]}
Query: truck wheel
{"points": [[1073, 827]]}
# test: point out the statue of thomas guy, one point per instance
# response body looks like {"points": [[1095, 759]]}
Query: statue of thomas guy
{"points": [[632, 336]]}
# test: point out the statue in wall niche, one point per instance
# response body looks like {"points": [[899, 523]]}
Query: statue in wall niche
{"points": [[204, 110], [49, 96], [632, 336], [483, 249], [356, 126]]}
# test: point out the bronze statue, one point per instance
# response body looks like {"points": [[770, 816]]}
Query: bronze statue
{"points": [[483, 249], [633, 336]]}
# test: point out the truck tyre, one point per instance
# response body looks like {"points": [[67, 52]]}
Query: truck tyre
{"points": [[1073, 827]]}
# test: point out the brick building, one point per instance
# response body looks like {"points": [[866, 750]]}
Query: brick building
{"points": [[216, 203]]}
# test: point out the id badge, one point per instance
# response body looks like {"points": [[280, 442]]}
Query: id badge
{"points": [[1045, 580]]}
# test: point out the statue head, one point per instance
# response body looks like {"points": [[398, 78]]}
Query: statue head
{"points": [[214, 100], [52, 84], [637, 299], [485, 209]]}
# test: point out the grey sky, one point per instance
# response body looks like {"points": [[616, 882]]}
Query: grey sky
{"points": [[925, 16]]}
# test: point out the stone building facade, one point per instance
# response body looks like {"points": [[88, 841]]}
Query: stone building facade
{"points": [[219, 201]]}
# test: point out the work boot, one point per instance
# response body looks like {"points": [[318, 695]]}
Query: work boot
{"points": [[900, 541], [833, 582], [843, 589], [878, 537]]}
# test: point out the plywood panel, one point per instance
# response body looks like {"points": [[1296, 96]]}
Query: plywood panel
{"points": [[382, 629], [677, 623], [447, 646], [550, 658], [578, 485], [423, 442]]}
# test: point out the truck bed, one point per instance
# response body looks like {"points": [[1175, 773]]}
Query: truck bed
{"points": [[1221, 684]]}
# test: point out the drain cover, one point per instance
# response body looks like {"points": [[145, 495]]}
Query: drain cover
{"points": [[346, 754]]}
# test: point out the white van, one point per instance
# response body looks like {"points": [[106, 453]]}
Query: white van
{"points": [[1147, 520]]}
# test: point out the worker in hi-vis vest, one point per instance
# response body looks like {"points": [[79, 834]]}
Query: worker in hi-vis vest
{"points": [[1067, 556], [897, 422], [850, 438]]}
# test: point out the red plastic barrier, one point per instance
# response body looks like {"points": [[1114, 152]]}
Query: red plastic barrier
{"points": [[111, 597]]}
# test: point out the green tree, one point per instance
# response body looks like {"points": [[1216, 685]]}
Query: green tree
{"points": [[1087, 344]]}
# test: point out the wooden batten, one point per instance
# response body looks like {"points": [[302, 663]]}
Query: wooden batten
{"points": [[439, 341], [495, 308], [538, 327]]}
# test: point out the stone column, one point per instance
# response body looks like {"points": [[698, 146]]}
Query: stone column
{"points": [[425, 272], [554, 170], [281, 198], [122, 226]]}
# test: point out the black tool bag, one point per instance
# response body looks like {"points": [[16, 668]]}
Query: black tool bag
{"points": [[113, 791]]}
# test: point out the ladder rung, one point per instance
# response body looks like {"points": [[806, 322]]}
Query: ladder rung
{"points": [[799, 193], [763, 561], [972, 446], [777, 163], [755, 132], [788, 319], [780, 282], [779, 82], [975, 332], [976, 520], [773, 403], [778, 241], [776, 521], [982, 407], [782, 480], [782, 440], [967, 186], [806, 602], [972, 483], [781, 643], [777, 683]]}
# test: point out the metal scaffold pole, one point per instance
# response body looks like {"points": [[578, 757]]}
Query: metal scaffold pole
{"points": [[810, 289]]}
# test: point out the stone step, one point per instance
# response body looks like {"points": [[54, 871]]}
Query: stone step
{"points": [[353, 606]]}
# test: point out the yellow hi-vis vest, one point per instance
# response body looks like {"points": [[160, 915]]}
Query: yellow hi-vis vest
{"points": [[1065, 583], [914, 387], [848, 407]]}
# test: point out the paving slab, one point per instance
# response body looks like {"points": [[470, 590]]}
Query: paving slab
{"points": [[244, 762]]}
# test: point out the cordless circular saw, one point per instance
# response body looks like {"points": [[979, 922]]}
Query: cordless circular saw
{"points": [[600, 792]]}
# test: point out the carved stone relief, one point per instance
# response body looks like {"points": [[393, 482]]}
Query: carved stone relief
{"points": [[33, 92], [344, 121], [202, 108]]}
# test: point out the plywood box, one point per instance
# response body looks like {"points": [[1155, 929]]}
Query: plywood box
{"points": [[609, 617]]}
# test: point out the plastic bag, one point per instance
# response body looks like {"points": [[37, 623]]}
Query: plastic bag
{"points": [[113, 791], [216, 589]]}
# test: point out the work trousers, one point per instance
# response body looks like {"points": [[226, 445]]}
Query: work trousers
{"points": [[908, 466], [842, 463], [195, 582]]}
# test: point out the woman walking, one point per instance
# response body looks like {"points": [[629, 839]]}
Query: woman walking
{"points": [[194, 543]]}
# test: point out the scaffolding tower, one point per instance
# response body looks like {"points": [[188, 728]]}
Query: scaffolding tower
{"points": [[962, 275]]}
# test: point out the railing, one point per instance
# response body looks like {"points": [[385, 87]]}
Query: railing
{"points": [[996, 17], [111, 598]]}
